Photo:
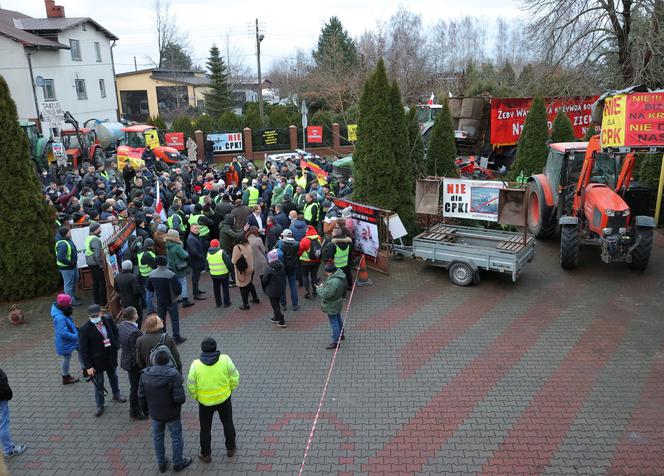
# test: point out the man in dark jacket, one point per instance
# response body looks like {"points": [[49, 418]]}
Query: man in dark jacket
{"points": [[162, 394], [9, 448], [129, 287], [166, 287], [67, 258], [288, 249], [196, 260], [240, 213], [274, 231], [281, 217], [274, 284], [227, 239], [129, 333], [224, 207], [98, 345]]}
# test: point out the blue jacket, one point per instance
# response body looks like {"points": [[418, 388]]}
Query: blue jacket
{"points": [[299, 229], [66, 334], [61, 254]]}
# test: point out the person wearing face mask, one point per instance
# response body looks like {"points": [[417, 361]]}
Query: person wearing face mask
{"points": [[99, 351], [66, 335]]}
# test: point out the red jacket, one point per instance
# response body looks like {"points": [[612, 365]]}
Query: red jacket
{"points": [[305, 243]]}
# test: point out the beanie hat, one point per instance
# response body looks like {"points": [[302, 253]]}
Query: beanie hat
{"points": [[272, 256], [127, 265], [214, 244], [161, 227], [149, 242], [209, 345], [94, 310], [63, 300], [94, 226], [162, 261], [62, 231], [330, 267], [173, 233]]}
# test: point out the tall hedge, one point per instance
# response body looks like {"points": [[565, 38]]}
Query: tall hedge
{"points": [[27, 256], [415, 145], [562, 130], [532, 149], [441, 155], [183, 124]]}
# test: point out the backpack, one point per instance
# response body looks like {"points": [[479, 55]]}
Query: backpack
{"points": [[315, 249], [241, 263], [161, 347], [289, 249]]}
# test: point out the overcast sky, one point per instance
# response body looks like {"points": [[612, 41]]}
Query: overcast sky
{"points": [[287, 25]]}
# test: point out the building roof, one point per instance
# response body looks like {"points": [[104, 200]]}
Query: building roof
{"points": [[189, 78], [9, 29], [59, 24]]}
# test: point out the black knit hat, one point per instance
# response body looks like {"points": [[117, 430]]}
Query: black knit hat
{"points": [[209, 345]]}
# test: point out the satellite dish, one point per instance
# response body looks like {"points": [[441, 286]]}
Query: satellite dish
{"points": [[39, 81]]}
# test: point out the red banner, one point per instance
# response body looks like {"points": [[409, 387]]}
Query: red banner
{"points": [[509, 114], [315, 134], [175, 140]]}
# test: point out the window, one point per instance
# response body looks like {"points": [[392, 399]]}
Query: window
{"points": [[84, 27], [75, 47], [81, 92], [49, 90], [102, 88], [97, 52]]}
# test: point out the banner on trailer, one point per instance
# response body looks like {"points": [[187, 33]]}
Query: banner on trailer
{"points": [[633, 120], [78, 236], [226, 142], [364, 223], [471, 199], [175, 140], [509, 114]]}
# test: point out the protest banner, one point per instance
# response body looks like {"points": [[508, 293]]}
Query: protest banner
{"points": [[175, 140], [633, 120], [365, 219], [226, 141], [315, 134], [471, 199]]}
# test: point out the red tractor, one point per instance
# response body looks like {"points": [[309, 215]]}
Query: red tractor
{"points": [[82, 144], [587, 192]]}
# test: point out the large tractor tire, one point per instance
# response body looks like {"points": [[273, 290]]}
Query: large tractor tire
{"points": [[641, 254], [540, 220], [569, 246]]}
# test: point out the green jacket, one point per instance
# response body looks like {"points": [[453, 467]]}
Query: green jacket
{"points": [[331, 293], [176, 255], [277, 195]]}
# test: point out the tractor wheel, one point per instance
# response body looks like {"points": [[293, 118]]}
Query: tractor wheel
{"points": [[461, 274], [569, 246], [641, 254], [540, 223]]}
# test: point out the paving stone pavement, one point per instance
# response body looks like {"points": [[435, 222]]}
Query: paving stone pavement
{"points": [[559, 373]]}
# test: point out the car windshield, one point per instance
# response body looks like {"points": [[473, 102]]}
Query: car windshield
{"points": [[135, 139]]}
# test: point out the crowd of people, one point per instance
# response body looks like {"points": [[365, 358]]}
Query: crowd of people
{"points": [[246, 227]]}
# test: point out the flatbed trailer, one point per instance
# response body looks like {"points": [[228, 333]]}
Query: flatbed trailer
{"points": [[465, 250]]}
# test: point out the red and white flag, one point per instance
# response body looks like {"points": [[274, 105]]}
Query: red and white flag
{"points": [[159, 207], [430, 101]]}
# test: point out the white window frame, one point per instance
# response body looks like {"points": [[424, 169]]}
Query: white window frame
{"points": [[75, 46], [52, 87], [81, 93], [102, 88], [97, 52]]}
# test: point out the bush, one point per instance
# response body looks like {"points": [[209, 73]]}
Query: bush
{"points": [[562, 130], [441, 156], [532, 150], [27, 256], [230, 122], [157, 122], [204, 123], [183, 124]]}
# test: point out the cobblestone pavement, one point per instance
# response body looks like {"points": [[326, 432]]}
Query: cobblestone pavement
{"points": [[559, 373]]}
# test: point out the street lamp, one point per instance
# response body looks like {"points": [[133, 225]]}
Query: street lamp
{"points": [[259, 39]]}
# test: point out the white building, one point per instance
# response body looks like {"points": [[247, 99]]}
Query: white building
{"points": [[71, 59]]}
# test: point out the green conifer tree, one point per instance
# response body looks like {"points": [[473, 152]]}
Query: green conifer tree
{"points": [[218, 98], [591, 131], [204, 123], [229, 122], [415, 145], [441, 155], [27, 254], [532, 150], [157, 122], [402, 200], [183, 124], [562, 130]]}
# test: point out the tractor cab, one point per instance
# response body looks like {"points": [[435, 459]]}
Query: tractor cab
{"points": [[80, 144], [135, 142]]}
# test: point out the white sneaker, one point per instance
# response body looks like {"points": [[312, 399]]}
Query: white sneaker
{"points": [[18, 449]]}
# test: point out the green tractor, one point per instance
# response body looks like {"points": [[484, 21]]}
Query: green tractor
{"points": [[38, 144]]}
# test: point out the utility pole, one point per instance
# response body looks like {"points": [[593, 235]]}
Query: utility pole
{"points": [[259, 38], [135, 65]]}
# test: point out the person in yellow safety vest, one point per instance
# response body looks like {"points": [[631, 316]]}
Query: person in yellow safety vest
{"points": [[301, 180], [311, 210], [176, 219], [310, 252], [203, 222], [94, 257], [250, 195], [219, 265], [147, 262], [66, 260], [343, 254], [211, 381]]}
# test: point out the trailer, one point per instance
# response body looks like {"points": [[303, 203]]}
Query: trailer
{"points": [[464, 251]]}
